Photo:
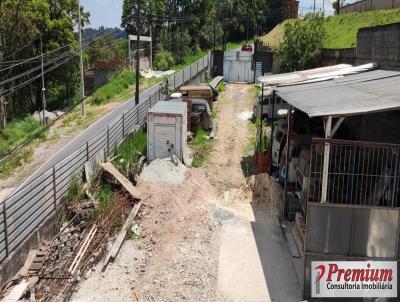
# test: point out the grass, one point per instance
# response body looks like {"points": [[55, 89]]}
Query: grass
{"points": [[201, 146], [105, 195], [129, 153], [341, 31], [74, 191], [18, 160], [17, 132]]}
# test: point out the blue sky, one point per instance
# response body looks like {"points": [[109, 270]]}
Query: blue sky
{"points": [[108, 12], [104, 12]]}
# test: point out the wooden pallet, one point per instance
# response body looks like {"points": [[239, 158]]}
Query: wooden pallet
{"points": [[38, 262]]}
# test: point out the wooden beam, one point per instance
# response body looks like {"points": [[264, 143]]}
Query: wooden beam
{"points": [[121, 235], [337, 125], [109, 167], [327, 151]]}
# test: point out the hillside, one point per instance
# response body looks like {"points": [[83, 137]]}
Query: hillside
{"points": [[341, 31]]}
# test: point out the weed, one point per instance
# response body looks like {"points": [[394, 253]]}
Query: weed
{"points": [[221, 87], [201, 146], [74, 191], [129, 152], [105, 195]]}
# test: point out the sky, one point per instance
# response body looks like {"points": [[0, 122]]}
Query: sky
{"points": [[103, 12], [108, 12]]}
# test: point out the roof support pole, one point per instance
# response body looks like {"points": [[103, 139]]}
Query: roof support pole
{"points": [[327, 152], [288, 158], [271, 140]]}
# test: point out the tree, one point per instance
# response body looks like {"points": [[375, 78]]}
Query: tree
{"points": [[21, 24], [301, 43]]}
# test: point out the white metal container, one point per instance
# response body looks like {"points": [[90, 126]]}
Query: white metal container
{"points": [[167, 130]]}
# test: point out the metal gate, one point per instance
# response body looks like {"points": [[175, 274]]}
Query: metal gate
{"points": [[238, 66]]}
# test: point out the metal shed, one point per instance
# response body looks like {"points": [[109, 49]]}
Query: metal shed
{"points": [[166, 130]]}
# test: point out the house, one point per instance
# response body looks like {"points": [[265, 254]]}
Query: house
{"points": [[340, 165]]}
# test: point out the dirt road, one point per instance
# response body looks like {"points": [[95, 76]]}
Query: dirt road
{"points": [[209, 239]]}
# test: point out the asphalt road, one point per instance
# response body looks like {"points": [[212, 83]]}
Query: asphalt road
{"points": [[88, 134]]}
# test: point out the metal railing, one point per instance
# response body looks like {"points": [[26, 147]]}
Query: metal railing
{"points": [[27, 208], [360, 173]]}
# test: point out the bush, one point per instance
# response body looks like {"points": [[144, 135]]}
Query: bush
{"points": [[301, 43], [163, 60]]}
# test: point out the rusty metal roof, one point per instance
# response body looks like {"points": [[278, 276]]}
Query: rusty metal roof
{"points": [[367, 92]]}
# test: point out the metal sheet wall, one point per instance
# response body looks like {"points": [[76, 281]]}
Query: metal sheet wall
{"points": [[344, 232]]}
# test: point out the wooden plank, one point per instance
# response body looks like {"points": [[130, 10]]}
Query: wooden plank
{"points": [[121, 235], [109, 167], [17, 292]]}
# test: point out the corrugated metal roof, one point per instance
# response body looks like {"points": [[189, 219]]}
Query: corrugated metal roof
{"points": [[315, 75], [169, 108], [367, 92]]}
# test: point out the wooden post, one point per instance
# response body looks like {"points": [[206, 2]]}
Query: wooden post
{"points": [[327, 152]]}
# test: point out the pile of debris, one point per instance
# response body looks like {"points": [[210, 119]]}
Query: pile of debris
{"points": [[94, 231]]}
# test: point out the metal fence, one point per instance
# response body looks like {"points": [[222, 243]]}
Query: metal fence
{"points": [[26, 209], [360, 173]]}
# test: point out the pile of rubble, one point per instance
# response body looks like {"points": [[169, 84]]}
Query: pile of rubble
{"points": [[92, 231]]}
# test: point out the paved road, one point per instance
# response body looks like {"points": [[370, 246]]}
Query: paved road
{"points": [[89, 133]]}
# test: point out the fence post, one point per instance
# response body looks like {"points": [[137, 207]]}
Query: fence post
{"points": [[5, 228], [87, 151], [123, 125], [174, 80], [108, 140], [54, 188]]}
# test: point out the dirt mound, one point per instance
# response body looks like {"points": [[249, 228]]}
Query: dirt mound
{"points": [[168, 170]]}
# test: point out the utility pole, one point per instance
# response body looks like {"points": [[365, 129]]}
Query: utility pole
{"points": [[81, 59], [182, 44], [151, 47], [247, 28], [214, 33], [43, 88], [137, 52], [314, 7]]}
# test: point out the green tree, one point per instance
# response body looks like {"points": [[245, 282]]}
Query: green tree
{"points": [[301, 43], [22, 22]]}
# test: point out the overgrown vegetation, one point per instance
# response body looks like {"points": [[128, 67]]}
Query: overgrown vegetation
{"points": [[201, 146], [18, 160], [17, 132], [341, 30], [163, 60], [117, 84], [301, 44], [129, 153], [221, 87]]}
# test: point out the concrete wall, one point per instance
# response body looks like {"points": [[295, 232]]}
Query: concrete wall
{"points": [[336, 56], [370, 5], [379, 44]]}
